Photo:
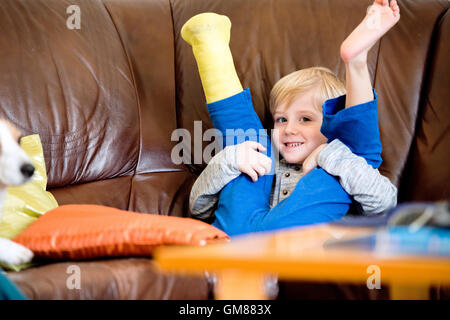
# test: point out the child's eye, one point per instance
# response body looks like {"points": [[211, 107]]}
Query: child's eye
{"points": [[304, 119], [281, 119]]}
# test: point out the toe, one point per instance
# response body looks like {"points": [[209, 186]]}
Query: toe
{"points": [[396, 10], [394, 5]]}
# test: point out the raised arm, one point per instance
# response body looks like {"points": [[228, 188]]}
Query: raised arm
{"points": [[353, 119], [380, 17], [365, 184]]}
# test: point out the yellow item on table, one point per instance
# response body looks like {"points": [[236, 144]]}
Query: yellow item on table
{"points": [[24, 204], [209, 35]]}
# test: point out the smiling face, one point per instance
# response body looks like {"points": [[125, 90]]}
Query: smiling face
{"points": [[297, 127]]}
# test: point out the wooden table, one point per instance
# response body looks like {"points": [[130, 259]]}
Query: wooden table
{"points": [[243, 264]]}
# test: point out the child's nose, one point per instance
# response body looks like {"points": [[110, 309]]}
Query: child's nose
{"points": [[291, 128]]}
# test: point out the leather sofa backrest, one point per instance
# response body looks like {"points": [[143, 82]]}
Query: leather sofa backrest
{"points": [[101, 97], [426, 177], [73, 87], [105, 99]]}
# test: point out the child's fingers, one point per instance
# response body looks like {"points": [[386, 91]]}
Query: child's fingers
{"points": [[255, 145], [311, 161], [261, 147], [253, 175], [248, 170], [266, 162], [308, 165], [268, 165], [259, 170], [251, 144], [252, 162]]}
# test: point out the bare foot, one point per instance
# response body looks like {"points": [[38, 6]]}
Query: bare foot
{"points": [[381, 16], [208, 28]]}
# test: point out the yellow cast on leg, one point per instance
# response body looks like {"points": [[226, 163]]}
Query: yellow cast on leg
{"points": [[209, 35]]}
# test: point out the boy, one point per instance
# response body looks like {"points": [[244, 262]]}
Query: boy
{"points": [[301, 130]]}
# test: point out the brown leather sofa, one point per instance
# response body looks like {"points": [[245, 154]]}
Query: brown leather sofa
{"points": [[106, 98]]}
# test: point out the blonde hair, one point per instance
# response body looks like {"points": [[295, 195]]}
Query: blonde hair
{"points": [[326, 83]]}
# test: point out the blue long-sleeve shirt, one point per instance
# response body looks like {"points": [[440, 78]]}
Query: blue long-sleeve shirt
{"points": [[318, 197]]}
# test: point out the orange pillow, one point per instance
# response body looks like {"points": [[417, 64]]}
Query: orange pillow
{"points": [[88, 231]]}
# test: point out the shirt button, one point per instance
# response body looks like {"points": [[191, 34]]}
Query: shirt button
{"points": [[287, 174], [285, 192], [297, 168]]}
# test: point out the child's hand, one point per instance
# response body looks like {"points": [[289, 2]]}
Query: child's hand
{"points": [[252, 162], [311, 161]]}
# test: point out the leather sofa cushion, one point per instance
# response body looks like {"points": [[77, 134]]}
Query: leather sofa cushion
{"points": [[128, 278]]}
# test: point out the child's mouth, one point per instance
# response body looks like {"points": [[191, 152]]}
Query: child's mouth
{"points": [[293, 145]]}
